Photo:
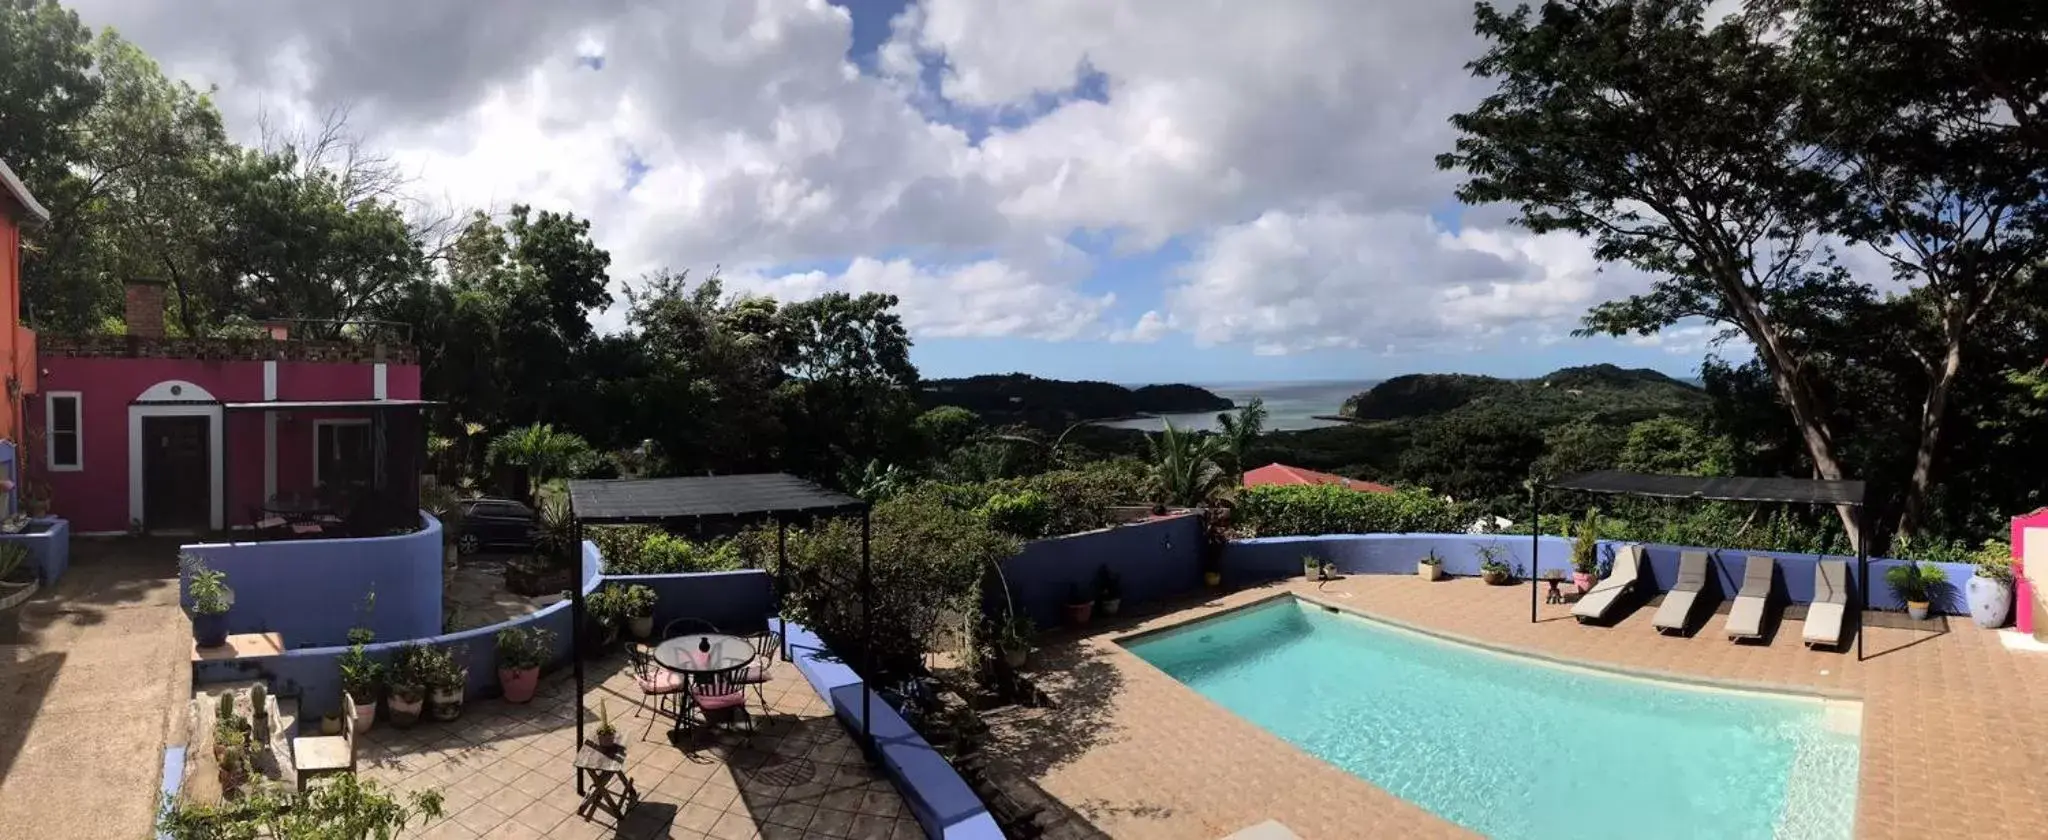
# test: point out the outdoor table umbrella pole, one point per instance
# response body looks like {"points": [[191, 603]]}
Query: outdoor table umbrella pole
{"points": [[576, 626]]}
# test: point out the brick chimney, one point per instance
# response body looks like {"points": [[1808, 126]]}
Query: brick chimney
{"points": [[144, 313]]}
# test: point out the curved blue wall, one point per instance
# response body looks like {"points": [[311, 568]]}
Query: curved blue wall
{"points": [[310, 591]]}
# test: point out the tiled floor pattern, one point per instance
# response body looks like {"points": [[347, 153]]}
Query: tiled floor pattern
{"points": [[505, 770], [1955, 727]]}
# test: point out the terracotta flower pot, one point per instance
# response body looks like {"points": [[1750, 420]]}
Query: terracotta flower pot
{"points": [[1078, 614], [519, 683], [366, 716], [1584, 581]]}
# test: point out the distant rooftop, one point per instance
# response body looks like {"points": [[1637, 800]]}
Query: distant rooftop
{"points": [[1281, 474]]}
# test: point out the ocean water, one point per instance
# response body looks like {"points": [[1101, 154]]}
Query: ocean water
{"points": [[1290, 406], [1514, 748]]}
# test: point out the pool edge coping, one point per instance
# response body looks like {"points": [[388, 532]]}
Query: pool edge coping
{"points": [[1124, 640]]}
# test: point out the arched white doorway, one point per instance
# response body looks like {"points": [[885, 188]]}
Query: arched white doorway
{"points": [[175, 458]]}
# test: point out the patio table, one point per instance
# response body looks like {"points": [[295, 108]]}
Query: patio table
{"points": [[702, 658]]}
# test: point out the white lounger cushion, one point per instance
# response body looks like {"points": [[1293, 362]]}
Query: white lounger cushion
{"points": [[1627, 565]]}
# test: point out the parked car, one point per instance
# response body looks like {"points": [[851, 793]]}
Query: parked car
{"points": [[496, 523]]}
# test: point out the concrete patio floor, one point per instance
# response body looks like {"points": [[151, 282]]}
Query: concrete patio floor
{"points": [[505, 770], [1954, 730], [90, 694]]}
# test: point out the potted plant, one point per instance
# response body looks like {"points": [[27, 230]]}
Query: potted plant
{"points": [[1586, 554], [17, 577], [1431, 566], [1109, 590], [211, 599], [605, 609], [1079, 606], [639, 604], [1215, 537], [446, 682], [330, 723], [521, 652], [1990, 587], [1492, 569], [408, 695], [360, 676], [1013, 637], [1914, 582], [607, 735]]}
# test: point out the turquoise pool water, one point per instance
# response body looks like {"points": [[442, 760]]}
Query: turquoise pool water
{"points": [[1514, 748]]}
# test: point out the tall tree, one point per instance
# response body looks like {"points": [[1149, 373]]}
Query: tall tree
{"points": [[46, 88], [1672, 145], [1932, 117]]}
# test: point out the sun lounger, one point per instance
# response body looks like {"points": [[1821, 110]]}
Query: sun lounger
{"points": [[1830, 603], [1628, 568], [1676, 610], [1746, 618]]}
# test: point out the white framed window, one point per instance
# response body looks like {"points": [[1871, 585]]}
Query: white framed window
{"points": [[341, 452], [63, 418]]}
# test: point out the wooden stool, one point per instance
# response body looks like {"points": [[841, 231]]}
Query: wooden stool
{"points": [[600, 768], [1554, 595]]}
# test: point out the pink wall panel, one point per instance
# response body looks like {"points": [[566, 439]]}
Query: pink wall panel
{"points": [[96, 497]]}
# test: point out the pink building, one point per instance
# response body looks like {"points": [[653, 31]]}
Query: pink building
{"points": [[140, 431]]}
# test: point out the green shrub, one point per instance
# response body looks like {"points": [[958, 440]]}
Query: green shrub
{"points": [[648, 550], [1994, 561], [1022, 514], [1307, 510]]}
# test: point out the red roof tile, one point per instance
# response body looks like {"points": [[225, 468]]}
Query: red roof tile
{"points": [[1274, 474]]}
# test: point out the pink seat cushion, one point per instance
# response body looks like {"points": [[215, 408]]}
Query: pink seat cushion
{"points": [[714, 702], [754, 674], [661, 681]]}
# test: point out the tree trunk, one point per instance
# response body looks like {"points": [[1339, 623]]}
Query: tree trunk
{"points": [[1933, 413], [1791, 378]]}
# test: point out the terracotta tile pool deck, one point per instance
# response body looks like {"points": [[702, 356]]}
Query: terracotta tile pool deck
{"points": [[1954, 735]]}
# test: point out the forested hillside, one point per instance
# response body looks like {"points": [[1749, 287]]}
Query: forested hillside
{"points": [[1052, 404]]}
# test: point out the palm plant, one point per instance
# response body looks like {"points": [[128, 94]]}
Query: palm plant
{"points": [[1184, 465], [1237, 432], [545, 453]]}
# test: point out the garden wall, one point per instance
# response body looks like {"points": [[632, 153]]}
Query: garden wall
{"points": [[1271, 558], [940, 800], [311, 591], [48, 549], [734, 602], [1157, 559], [314, 674]]}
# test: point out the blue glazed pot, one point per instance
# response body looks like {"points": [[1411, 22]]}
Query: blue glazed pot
{"points": [[210, 630]]}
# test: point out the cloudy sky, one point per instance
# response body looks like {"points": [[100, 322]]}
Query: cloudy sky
{"points": [[1146, 190]]}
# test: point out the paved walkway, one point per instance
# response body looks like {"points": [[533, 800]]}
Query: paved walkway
{"points": [[89, 693], [1955, 727], [505, 773]]}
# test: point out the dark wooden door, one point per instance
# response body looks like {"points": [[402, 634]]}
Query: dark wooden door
{"points": [[177, 473]]}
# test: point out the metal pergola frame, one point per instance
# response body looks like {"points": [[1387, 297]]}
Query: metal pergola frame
{"points": [[716, 499], [1699, 488]]}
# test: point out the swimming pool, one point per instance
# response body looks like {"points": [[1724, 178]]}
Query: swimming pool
{"points": [[1520, 749]]}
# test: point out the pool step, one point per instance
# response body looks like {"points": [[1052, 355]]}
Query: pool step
{"points": [[1268, 830]]}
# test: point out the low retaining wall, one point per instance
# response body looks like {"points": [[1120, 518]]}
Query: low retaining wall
{"points": [[49, 549], [1272, 558], [310, 591], [734, 602], [314, 674], [940, 800], [1157, 559]]}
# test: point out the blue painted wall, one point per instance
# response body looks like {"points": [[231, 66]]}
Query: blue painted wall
{"points": [[314, 674], [940, 800], [49, 550], [734, 602], [1157, 559], [309, 591], [1270, 558]]}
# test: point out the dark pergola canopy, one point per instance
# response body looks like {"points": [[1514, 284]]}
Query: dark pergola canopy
{"points": [[625, 501], [1792, 490], [1703, 488], [754, 497]]}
